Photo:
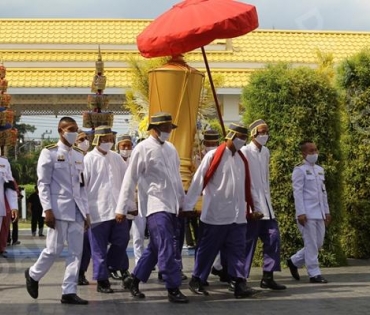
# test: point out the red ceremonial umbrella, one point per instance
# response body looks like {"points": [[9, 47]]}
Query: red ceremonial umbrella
{"points": [[191, 24]]}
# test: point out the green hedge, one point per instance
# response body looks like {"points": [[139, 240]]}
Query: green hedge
{"points": [[299, 103], [354, 79]]}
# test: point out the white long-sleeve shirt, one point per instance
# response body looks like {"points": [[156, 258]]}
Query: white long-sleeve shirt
{"points": [[103, 180], [157, 166], [310, 197], [260, 178], [224, 195]]}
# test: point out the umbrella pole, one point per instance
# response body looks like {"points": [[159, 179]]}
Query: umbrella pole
{"points": [[214, 92]]}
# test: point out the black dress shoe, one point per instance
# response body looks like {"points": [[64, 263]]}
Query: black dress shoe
{"points": [[293, 269], [16, 243], [318, 279], [224, 277], [183, 276], [104, 287], [132, 283], [216, 272], [114, 275], [82, 279], [175, 296], [32, 285], [271, 284], [160, 276], [241, 290], [72, 299], [196, 286]]}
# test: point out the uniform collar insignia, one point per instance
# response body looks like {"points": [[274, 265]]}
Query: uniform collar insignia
{"points": [[61, 158]]}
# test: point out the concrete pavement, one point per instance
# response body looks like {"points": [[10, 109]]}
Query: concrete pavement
{"points": [[347, 292]]}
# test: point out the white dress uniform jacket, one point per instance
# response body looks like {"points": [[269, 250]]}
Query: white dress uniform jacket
{"points": [[103, 177], [260, 177], [60, 181], [224, 195], [309, 191], [158, 168], [11, 195]]}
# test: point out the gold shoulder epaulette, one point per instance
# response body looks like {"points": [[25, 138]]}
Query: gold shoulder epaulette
{"points": [[299, 164], [78, 149], [51, 146]]}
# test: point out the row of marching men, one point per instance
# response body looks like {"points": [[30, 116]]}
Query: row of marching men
{"points": [[103, 193]]}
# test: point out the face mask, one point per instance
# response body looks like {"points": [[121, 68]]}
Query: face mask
{"points": [[105, 146], [311, 158], [125, 153], [70, 137], [238, 143], [84, 145], [262, 139], [207, 149], [164, 136]]}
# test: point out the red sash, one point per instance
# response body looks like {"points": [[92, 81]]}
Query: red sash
{"points": [[213, 167]]}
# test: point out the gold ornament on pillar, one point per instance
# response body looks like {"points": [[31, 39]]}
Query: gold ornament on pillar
{"points": [[176, 88]]}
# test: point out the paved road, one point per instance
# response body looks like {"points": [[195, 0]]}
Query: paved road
{"points": [[347, 293]]}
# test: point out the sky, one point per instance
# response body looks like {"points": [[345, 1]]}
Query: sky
{"points": [[279, 14], [351, 15]]}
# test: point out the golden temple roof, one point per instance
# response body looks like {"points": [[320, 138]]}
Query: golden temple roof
{"points": [[64, 41]]}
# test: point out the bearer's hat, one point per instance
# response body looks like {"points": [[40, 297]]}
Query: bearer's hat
{"points": [[211, 136], [160, 118], [102, 131], [123, 138], [235, 128], [253, 127]]}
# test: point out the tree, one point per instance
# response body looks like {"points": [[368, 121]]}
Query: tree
{"points": [[354, 79], [298, 104]]}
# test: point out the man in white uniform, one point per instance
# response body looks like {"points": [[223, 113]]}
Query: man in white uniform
{"points": [[267, 228], [156, 163], [104, 172], [63, 198], [312, 212]]}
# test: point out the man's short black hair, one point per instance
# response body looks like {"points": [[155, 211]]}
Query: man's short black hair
{"points": [[66, 119], [302, 144]]}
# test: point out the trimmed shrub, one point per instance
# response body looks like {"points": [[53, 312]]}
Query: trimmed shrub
{"points": [[298, 104], [354, 79]]}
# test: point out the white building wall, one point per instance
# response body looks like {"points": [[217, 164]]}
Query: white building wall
{"points": [[231, 108]]}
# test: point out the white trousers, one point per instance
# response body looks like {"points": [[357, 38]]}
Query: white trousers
{"points": [[65, 231], [217, 263], [313, 233], [138, 236]]}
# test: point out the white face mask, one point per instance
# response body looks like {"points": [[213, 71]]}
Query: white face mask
{"points": [[164, 136], [105, 146], [84, 145], [262, 139], [70, 137], [312, 158], [125, 153], [207, 149], [238, 143]]}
